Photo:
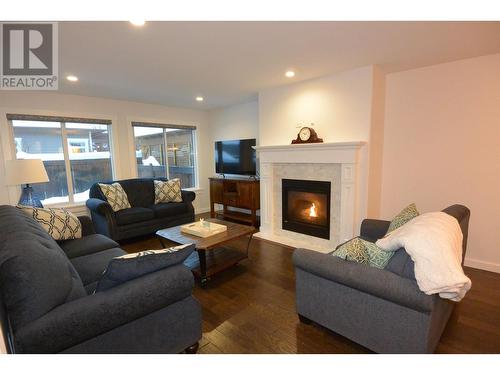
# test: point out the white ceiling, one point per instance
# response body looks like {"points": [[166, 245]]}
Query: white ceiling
{"points": [[171, 63]]}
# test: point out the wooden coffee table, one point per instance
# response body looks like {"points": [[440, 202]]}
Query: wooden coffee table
{"points": [[212, 256]]}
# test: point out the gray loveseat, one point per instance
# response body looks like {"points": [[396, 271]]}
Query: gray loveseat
{"points": [[144, 217], [383, 310], [47, 304]]}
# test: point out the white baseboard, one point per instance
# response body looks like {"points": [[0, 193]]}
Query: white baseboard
{"points": [[201, 210], [482, 265]]}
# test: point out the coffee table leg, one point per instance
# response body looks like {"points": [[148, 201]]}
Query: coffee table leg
{"points": [[203, 267], [161, 241], [248, 243]]}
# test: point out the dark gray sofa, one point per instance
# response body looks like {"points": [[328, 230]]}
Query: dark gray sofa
{"points": [[47, 304], [144, 217], [383, 310]]}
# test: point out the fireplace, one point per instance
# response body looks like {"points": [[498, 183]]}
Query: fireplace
{"points": [[306, 207]]}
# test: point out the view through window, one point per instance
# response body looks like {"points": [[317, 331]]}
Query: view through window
{"points": [[75, 154], [165, 151]]}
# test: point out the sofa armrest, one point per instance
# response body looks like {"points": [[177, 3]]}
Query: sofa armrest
{"points": [[87, 225], [87, 317], [371, 280], [99, 206], [188, 195], [374, 229], [103, 217]]}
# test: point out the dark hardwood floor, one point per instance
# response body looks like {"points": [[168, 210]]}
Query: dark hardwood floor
{"points": [[250, 308]]}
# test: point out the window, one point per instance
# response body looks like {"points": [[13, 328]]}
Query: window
{"points": [[76, 153], [165, 151]]}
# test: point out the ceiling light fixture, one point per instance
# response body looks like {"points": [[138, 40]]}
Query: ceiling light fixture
{"points": [[290, 74], [199, 98], [72, 78], [138, 22]]}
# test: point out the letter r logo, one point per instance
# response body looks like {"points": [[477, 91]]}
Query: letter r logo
{"points": [[27, 49]]}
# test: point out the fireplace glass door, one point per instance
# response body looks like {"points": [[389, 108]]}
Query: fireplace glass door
{"points": [[306, 207]]}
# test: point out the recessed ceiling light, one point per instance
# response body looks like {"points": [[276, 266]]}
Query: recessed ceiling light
{"points": [[199, 98], [72, 78], [290, 74], [138, 22]]}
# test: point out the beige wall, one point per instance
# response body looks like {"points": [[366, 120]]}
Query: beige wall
{"points": [[442, 146], [339, 105], [235, 122], [240, 121], [121, 113], [376, 143]]}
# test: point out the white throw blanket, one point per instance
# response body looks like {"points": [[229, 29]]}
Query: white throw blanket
{"points": [[434, 242]]}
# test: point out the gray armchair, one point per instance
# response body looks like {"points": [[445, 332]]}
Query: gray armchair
{"points": [[383, 310]]}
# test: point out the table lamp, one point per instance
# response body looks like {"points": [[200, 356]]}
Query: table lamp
{"points": [[26, 171]]}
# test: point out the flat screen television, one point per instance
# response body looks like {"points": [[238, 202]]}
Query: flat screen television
{"points": [[235, 157]]}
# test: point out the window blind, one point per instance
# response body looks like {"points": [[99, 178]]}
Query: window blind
{"points": [[168, 126], [16, 116]]}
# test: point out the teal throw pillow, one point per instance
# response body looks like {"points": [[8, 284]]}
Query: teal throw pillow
{"points": [[403, 217]]}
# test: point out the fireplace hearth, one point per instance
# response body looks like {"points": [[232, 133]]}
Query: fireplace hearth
{"points": [[306, 207]]}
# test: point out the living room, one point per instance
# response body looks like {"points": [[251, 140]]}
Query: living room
{"points": [[250, 192]]}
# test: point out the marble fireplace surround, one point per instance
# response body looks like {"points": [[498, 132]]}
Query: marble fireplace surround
{"points": [[335, 162]]}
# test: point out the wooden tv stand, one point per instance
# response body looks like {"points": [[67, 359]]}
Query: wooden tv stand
{"points": [[236, 193]]}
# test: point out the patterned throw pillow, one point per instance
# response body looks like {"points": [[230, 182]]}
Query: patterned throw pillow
{"points": [[131, 266], [403, 217], [116, 196], [168, 191], [376, 256], [353, 250], [60, 223]]}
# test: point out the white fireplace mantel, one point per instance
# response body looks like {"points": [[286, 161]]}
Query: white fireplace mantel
{"points": [[346, 154], [340, 152]]}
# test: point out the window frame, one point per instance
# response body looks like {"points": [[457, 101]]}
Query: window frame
{"points": [[157, 124], [64, 139]]}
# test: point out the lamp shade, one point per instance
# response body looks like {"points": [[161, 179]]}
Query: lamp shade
{"points": [[25, 171]]}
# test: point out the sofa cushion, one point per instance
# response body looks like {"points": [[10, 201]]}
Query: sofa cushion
{"points": [[134, 215], [90, 244], [131, 266], [168, 191], [90, 267], [60, 223], [168, 209], [140, 191], [403, 217], [401, 264], [115, 196], [90, 288], [35, 274]]}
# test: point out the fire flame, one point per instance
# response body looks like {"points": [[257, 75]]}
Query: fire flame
{"points": [[312, 211]]}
